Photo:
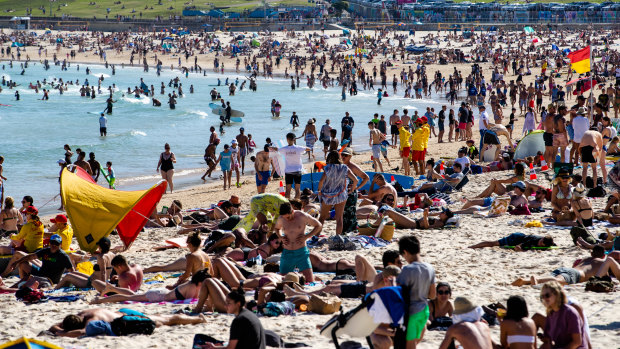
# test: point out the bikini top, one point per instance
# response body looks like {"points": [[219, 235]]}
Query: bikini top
{"points": [[560, 194], [520, 338]]}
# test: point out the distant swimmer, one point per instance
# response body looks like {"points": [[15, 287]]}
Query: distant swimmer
{"points": [[156, 102], [17, 95]]}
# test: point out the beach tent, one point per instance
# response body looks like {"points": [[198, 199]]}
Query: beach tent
{"points": [[255, 43], [528, 30], [27, 343], [530, 145], [95, 211]]}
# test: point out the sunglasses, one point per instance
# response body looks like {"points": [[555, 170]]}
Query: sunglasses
{"points": [[441, 293], [565, 177], [545, 295]]}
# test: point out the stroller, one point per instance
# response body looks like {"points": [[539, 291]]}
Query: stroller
{"points": [[385, 305]]}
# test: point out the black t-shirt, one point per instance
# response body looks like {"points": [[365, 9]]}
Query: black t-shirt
{"points": [[346, 131], [463, 115], [349, 119], [229, 223], [441, 117], [54, 264], [248, 331]]}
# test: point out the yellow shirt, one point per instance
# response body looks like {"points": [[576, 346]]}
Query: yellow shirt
{"points": [[404, 137], [32, 236], [67, 237], [420, 138]]}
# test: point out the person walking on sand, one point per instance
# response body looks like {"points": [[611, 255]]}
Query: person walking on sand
{"points": [[242, 140], [375, 139], [225, 161], [166, 160]]}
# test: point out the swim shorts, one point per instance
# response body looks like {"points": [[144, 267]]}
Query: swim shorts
{"points": [[353, 290], [376, 151], [264, 178], [586, 154], [292, 178], [559, 140], [291, 259], [98, 328], [488, 201], [394, 129], [548, 138], [511, 240], [570, 275], [243, 152], [418, 155], [417, 323], [462, 125], [404, 153]]}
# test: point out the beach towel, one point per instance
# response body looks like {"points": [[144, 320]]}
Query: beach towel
{"points": [[176, 301]]}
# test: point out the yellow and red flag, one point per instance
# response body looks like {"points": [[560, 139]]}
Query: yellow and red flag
{"points": [[580, 60]]}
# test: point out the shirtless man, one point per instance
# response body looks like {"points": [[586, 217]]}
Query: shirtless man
{"points": [[393, 128], [375, 195], [291, 225], [95, 166], [468, 329], [95, 321], [592, 153], [129, 277], [406, 118], [560, 135], [261, 166], [357, 171], [83, 164], [582, 272], [549, 126], [104, 262], [242, 139], [375, 139]]}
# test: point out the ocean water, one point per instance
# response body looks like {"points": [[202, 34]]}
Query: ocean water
{"points": [[33, 132]]}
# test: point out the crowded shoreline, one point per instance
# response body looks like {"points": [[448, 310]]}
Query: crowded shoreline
{"points": [[466, 270]]}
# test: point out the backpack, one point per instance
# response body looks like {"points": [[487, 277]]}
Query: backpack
{"points": [[132, 324], [601, 284], [597, 192]]}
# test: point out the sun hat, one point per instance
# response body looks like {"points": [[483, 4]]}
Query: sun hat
{"points": [[234, 141], [290, 278], [582, 111], [579, 191], [61, 218], [61, 161], [347, 151], [463, 305]]}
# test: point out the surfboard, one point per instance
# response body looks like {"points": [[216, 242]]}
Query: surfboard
{"points": [[106, 175], [278, 163], [311, 180], [217, 109], [236, 119]]}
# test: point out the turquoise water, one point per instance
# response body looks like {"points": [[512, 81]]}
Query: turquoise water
{"points": [[33, 132]]}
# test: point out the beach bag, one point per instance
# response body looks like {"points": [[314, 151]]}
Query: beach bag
{"points": [[597, 192], [132, 324], [600, 284], [369, 229], [202, 339], [324, 305], [29, 296], [499, 206]]}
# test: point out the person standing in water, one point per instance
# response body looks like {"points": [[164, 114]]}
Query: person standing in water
{"points": [[166, 160], [103, 125], [109, 106]]}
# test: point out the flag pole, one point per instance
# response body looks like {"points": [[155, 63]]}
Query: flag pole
{"points": [[591, 110]]}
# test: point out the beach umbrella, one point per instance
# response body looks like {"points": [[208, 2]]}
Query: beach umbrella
{"points": [[28, 343], [95, 211], [529, 30], [400, 24]]}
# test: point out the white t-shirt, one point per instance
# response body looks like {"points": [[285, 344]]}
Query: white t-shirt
{"points": [[580, 126], [292, 158], [483, 117], [464, 161]]}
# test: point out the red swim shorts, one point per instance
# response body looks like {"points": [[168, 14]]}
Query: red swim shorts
{"points": [[462, 125], [404, 153], [418, 155]]}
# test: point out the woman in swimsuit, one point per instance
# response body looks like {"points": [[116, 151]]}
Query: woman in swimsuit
{"points": [[441, 308], [606, 132], [195, 261], [235, 276], [517, 330], [497, 185], [9, 218], [272, 246], [561, 197], [582, 208], [166, 160], [187, 290]]}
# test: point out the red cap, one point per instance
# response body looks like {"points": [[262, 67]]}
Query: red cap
{"points": [[61, 218], [398, 122], [424, 119], [31, 210]]}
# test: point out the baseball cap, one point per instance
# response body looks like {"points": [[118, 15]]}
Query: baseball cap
{"points": [[242, 129], [56, 238], [31, 210], [61, 218], [520, 185]]}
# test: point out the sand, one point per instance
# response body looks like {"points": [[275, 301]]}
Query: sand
{"points": [[484, 275]]}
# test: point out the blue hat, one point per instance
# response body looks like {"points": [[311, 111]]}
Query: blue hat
{"points": [[56, 238]]}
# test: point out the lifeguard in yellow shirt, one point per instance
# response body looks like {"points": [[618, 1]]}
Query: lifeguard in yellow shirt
{"points": [[419, 144], [405, 146]]}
